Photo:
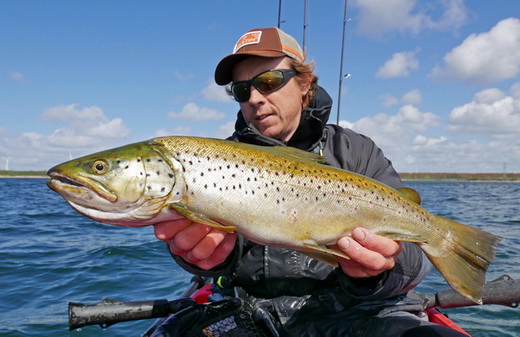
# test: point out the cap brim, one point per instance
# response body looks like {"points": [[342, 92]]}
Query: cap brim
{"points": [[224, 70]]}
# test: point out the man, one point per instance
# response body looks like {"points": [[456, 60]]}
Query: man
{"points": [[281, 104]]}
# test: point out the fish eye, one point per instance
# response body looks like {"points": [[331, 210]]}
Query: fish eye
{"points": [[99, 167]]}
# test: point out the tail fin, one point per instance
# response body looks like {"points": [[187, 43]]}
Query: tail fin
{"points": [[465, 265]]}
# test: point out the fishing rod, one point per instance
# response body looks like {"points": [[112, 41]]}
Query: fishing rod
{"points": [[109, 312], [502, 291]]}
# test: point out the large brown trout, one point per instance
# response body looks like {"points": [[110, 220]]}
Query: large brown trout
{"points": [[277, 196]]}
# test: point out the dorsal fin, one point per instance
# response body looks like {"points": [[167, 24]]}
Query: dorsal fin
{"points": [[411, 194]]}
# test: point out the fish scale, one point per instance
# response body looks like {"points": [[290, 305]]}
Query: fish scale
{"points": [[277, 196]]}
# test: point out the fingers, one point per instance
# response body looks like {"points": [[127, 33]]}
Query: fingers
{"points": [[212, 258], [196, 243], [165, 231], [370, 254]]}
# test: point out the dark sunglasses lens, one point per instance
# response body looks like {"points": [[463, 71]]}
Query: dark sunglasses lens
{"points": [[268, 81], [240, 91]]}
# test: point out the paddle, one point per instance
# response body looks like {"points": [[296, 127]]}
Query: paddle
{"points": [[503, 291]]}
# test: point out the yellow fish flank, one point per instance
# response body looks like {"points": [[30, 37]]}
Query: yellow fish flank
{"points": [[277, 196]]}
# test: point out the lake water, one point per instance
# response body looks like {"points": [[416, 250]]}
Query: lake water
{"points": [[51, 255]]}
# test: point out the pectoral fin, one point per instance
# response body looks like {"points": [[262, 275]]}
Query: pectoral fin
{"points": [[201, 219], [323, 254]]}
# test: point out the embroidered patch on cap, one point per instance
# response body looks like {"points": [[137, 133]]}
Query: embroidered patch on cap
{"points": [[248, 39]]}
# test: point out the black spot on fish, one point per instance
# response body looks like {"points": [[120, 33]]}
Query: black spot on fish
{"points": [[138, 160], [126, 167], [149, 187], [170, 175], [158, 173], [163, 189], [160, 161], [148, 160]]}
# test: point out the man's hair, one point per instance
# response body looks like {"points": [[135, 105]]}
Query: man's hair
{"points": [[305, 70]]}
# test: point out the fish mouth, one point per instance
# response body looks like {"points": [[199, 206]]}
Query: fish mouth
{"points": [[64, 184]]}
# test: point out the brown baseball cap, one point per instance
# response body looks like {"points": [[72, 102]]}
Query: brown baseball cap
{"points": [[264, 42]]}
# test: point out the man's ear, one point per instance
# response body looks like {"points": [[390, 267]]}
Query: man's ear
{"points": [[305, 85]]}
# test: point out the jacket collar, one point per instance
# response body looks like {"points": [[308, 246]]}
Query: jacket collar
{"points": [[309, 132]]}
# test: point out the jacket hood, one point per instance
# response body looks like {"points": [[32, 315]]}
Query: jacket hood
{"points": [[309, 132]]}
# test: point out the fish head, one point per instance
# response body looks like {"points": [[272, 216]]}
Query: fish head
{"points": [[124, 186]]}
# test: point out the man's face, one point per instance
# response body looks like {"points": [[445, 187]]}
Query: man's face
{"points": [[275, 114]]}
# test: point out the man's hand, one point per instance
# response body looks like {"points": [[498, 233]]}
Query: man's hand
{"points": [[370, 254], [196, 243]]}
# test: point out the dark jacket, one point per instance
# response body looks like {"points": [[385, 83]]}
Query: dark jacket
{"points": [[291, 280]]}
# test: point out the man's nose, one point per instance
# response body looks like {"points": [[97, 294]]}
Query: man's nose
{"points": [[255, 96]]}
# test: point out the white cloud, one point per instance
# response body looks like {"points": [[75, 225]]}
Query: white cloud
{"points": [[442, 154], [87, 126], [84, 130], [193, 112], [413, 97], [399, 65], [379, 17], [484, 58], [491, 112], [415, 141], [389, 100], [225, 130], [392, 130], [216, 93], [177, 131]]}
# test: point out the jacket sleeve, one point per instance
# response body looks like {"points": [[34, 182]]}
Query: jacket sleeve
{"points": [[360, 154]]}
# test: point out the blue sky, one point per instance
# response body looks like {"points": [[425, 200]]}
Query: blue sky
{"points": [[435, 83]]}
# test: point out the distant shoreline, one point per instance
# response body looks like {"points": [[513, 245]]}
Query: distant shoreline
{"points": [[461, 176], [443, 176], [29, 177]]}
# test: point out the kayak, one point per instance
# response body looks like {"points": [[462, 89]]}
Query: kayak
{"points": [[204, 293], [202, 298]]}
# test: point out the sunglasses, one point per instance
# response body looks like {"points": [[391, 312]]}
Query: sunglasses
{"points": [[265, 82]]}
